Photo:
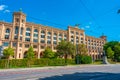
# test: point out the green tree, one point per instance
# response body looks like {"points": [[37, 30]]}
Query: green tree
{"points": [[65, 48], [110, 44], [48, 53], [117, 52], [7, 53], [30, 53], [82, 50], [110, 53]]}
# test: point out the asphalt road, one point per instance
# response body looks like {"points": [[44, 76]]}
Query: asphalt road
{"points": [[80, 72]]}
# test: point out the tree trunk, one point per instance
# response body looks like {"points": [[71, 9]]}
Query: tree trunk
{"points": [[66, 59]]}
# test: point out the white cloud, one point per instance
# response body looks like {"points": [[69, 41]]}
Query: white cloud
{"points": [[87, 26], [2, 7], [6, 11]]}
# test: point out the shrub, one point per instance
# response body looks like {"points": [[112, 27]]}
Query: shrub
{"points": [[16, 63], [83, 59]]}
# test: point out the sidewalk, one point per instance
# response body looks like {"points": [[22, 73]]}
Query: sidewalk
{"points": [[50, 67]]}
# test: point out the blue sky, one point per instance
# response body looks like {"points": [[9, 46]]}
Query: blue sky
{"points": [[94, 16]]}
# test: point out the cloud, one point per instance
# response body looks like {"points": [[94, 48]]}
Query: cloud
{"points": [[87, 26], [6, 11], [2, 7]]}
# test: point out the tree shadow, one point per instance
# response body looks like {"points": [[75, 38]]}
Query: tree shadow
{"points": [[85, 76]]}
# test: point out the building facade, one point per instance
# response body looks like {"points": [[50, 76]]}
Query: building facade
{"points": [[20, 35]]}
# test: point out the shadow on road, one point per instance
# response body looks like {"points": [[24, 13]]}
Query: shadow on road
{"points": [[85, 76]]}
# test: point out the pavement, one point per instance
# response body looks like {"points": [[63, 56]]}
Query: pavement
{"points": [[77, 72]]}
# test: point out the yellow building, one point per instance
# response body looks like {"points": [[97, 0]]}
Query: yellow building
{"points": [[20, 35]]}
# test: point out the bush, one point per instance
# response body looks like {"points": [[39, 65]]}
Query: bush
{"points": [[16, 63], [83, 59]]}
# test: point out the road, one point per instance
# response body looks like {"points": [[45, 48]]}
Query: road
{"points": [[79, 72]]}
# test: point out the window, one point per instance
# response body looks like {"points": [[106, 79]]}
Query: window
{"points": [[55, 34], [26, 45], [28, 29], [49, 33], [54, 42], [35, 40], [81, 38], [72, 37], [22, 20], [48, 42], [5, 43], [42, 47], [20, 37], [60, 38], [6, 36], [81, 34], [15, 37], [35, 35], [27, 39], [7, 30], [42, 41], [17, 20], [35, 30], [42, 36], [14, 44], [27, 34], [72, 32], [20, 45], [55, 38], [48, 37], [34, 46], [77, 33], [60, 35], [16, 29], [43, 31], [21, 32]]}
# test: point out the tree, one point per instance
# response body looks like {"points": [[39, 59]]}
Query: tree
{"points": [[7, 53], [82, 50], [110, 44], [117, 52], [48, 53], [115, 46], [65, 48], [110, 52], [30, 53]]}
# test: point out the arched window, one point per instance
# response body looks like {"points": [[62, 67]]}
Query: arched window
{"points": [[42, 31], [35, 30], [49, 33], [7, 30], [16, 29], [28, 29]]}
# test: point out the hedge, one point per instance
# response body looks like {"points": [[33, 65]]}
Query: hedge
{"points": [[18, 63], [83, 59]]}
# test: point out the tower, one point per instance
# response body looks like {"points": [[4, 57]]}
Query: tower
{"points": [[19, 21], [103, 37]]}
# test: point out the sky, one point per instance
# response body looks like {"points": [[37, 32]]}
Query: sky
{"points": [[96, 17]]}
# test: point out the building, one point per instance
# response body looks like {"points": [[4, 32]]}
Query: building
{"points": [[21, 35]]}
